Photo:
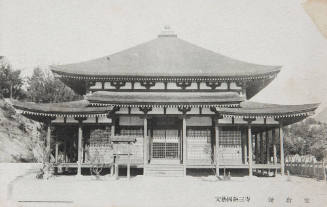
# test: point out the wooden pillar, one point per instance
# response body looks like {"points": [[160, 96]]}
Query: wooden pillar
{"points": [[79, 147], [56, 151], [267, 147], [261, 149], [65, 151], [116, 170], [145, 140], [129, 162], [112, 134], [281, 139], [217, 145], [323, 169], [256, 148], [245, 148], [273, 135], [113, 127], [184, 145], [145, 110], [48, 142], [250, 148]]}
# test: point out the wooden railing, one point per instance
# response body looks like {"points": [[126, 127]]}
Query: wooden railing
{"points": [[306, 166]]}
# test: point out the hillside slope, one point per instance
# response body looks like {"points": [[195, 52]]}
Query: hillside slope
{"points": [[322, 116], [19, 136]]}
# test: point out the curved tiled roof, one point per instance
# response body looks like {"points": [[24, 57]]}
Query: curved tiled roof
{"points": [[253, 109], [74, 108], [165, 98], [166, 56]]}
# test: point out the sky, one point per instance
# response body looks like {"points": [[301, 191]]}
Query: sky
{"points": [[45, 32]]}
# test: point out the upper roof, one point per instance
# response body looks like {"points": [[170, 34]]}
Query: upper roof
{"points": [[166, 56]]}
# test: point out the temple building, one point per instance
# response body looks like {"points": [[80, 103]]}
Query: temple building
{"points": [[166, 107]]}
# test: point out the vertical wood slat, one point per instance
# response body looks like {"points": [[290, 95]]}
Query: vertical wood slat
{"points": [[308, 168]]}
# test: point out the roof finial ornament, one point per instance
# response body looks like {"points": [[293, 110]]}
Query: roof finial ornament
{"points": [[167, 32], [167, 27]]}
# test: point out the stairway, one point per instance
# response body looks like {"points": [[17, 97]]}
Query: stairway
{"points": [[164, 170]]}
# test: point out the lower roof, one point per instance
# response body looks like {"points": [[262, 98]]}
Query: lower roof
{"points": [[73, 108], [255, 110], [288, 113], [203, 99]]}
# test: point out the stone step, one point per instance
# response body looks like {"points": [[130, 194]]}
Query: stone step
{"points": [[168, 170], [165, 167]]}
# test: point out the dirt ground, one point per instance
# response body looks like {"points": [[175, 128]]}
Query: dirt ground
{"points": [[161, 191]]}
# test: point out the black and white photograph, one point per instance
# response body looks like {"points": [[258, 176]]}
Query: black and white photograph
{"points": [[163, 103]]}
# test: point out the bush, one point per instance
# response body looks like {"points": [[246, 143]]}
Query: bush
{"points": [[8, 110]]}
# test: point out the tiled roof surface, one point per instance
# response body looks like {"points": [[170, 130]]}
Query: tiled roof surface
{"points": [[262, 109], [166, 56], [164, 97], [74, 107]]}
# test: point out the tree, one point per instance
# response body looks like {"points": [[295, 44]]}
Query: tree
{"points": [[307, 137], [43, 87], [10, 82]]}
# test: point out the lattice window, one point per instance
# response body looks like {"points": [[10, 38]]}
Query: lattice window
{"points": [[100, 136], [159, 150], [130, 131], [165, 144], [229, 137], [172, 150], [199, 145], [199, 133]]}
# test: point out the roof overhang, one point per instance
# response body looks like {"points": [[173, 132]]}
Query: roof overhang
{"points": [[165, 99], [167, 59], [76, 109], [288, 114]]}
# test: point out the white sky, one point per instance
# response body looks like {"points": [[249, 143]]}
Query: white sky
{"points": [[43, 32]]}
